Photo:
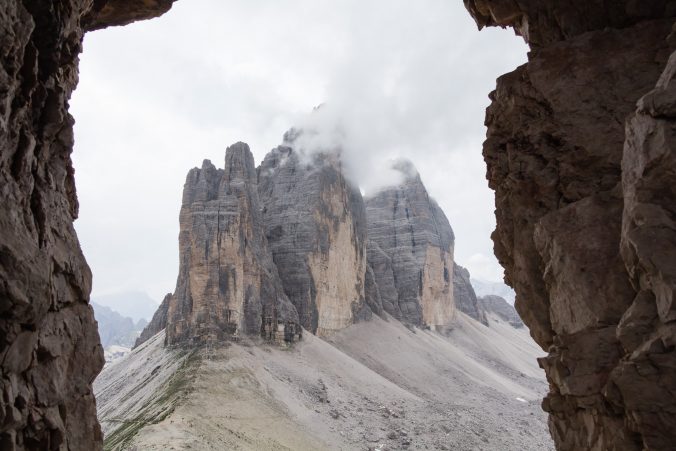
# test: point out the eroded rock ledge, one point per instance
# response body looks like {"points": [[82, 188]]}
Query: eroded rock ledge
{"points": [[584, 183]]}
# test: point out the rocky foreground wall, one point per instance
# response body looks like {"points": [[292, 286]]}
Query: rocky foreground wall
{"points": [[585, 207], [49, 344]]}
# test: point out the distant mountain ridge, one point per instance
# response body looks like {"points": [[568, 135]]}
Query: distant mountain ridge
{"points": [[115, 329], [486, 288], [133, 304]]}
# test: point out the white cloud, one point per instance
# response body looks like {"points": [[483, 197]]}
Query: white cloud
{"points": [[155, 98]]}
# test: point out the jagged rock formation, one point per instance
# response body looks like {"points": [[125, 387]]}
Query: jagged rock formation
{"points": [[316, 229], [500, 307], [157, 323], [410, 252], [227, 282], [464, 297], [49, 345], [585, 210]]}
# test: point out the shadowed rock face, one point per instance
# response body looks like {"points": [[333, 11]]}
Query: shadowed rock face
{"points": [[464, 296], [498, 305], [584, 185], [49, 345], [157, 323], [410, 252], [315, 225], [227, 283]]}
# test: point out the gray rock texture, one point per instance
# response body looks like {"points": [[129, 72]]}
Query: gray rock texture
{"points": [[49, 344], [316, 229], [227, 283], [464, 295], [410, 252], [500, 307], [157, 323], [584, 183]]}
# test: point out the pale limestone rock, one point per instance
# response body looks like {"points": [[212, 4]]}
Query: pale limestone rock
{"points": [[411, 253], [315, 225]]}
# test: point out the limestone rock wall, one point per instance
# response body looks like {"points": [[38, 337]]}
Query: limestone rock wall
{"points": [[315, 226], [464, 297], [228, 284], [49, 345], [410, 252], [584, 206]]}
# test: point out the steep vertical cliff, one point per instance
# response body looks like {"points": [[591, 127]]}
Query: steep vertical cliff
{"points": [[316, 228], [584, 207], [464, 297], [49, 345], [227, 283], [410, 251], [157, 323]]}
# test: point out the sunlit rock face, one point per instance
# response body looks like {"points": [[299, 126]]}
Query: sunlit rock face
{"points": [[48, 338], [584, 183], [315, 225], [227, 283], [410, 252]]}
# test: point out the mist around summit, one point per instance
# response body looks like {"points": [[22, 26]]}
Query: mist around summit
{"points": [[395, 80]]}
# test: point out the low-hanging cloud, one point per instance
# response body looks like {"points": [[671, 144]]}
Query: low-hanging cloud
{"points": [[396, 79]]}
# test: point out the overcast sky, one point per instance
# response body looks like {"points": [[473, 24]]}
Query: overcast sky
{"points": [[401, 78]]}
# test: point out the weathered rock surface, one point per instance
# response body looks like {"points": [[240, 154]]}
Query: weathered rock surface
{"points": [[49, 345], [157, 323], [464, 296], [500, 307], [584, 207], [544, 22], [316, 229], [227, 283], [410, 251]]}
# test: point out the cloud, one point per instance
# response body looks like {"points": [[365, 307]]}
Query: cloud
{"points": [[397, 79]]}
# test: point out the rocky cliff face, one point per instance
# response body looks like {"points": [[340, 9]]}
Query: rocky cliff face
{"points": [[157, 323], [500, 307], [464, 297], [227, 284], [410, 252], [584, 207], [316, 229], [49, 345]]}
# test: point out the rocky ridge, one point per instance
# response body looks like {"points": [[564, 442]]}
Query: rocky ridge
{"points": [[267, 251]]}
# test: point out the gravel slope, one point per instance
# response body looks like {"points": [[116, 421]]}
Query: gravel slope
{"points": [[375, 385]]}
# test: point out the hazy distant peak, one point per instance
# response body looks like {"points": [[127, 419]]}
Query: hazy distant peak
{"points": [[133, 304]]}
